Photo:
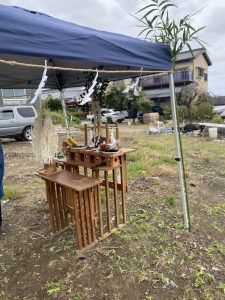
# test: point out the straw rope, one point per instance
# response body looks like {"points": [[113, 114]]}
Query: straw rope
{"points": [[16, 63]]}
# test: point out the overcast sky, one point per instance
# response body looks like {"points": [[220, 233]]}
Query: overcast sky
{"points": [[116, 16]]}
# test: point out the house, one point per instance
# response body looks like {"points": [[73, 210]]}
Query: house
{"points": [[70, 95], [191, 70], [15, 96]]}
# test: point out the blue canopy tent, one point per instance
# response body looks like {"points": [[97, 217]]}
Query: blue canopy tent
{"points": [[30, 38]]}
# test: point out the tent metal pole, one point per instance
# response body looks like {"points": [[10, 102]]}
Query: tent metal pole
{"points": [[179, 154], [65, 113]]}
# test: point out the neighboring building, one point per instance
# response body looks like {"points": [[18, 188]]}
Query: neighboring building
{"points": [[70, 95], [190, 70], [15, 96]]}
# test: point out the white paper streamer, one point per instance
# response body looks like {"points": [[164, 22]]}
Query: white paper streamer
{"points": [[41, 85], [134, 87], [87, 97]]}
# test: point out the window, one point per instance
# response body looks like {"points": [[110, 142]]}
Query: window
{"points": [[6, 115], [14, 93], [206, 77], [200, 72], [26, 112], [157, 80], [19, 93], [8, 93]]}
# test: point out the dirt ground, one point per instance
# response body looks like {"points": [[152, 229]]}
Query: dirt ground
{"points": [[151, 258]]}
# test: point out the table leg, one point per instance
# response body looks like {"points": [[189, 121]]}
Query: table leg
{"points": [[107, 202], [115, 198], [123, 186]]}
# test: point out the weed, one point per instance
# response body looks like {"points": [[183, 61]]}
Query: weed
{"points": [[53, 288], [135, 169], [68, 245], [201, 276], [206, 159], [171, 200], [222, 287], [143, 277], [191, 255], [177, 225], [218, 209], [141, 215], [37, 181], [74, 296], [13, 192], [216, 248], [169, 160], [3, 268], [163, 278], [40, 208], [52, 263]]}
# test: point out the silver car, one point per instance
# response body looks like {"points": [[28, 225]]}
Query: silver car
{"points": [[16, 122]]}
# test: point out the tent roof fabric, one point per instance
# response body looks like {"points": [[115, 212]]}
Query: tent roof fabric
{"points": [[32, 37]]}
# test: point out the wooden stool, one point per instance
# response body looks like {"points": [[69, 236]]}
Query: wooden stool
{"points": [[71, 200]]}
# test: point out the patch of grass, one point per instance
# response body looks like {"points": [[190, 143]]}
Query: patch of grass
{"points": [[218, 209], [202, 277], [221, 174], [216, 248], [40, 208], [135, 169], [37, 181], [163, 278], [169, 160], [206, 159], [171, 200], [53, 288], [222, 287], [13, 192], [141, 215], [177, 225]]}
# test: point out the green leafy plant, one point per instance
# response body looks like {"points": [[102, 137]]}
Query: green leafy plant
{"points": [[222, 287], [217, 119], [159, 27], [53, 104], [171, 200], [58, 118], [201, 276], [53, 288]]}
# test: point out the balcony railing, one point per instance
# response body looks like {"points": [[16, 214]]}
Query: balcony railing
{"points": [[179, 76]]}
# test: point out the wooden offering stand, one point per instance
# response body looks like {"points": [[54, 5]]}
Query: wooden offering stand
{"points": [[106, 170]]}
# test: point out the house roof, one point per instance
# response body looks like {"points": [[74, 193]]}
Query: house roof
{"points": [[186, 55], [164, 92]]}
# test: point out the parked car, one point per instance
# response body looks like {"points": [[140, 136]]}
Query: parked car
{"points": [[110, 116], [16, 122], [125, 113], [116, 115]]}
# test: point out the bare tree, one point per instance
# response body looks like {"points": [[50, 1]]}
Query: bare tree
{"points": [[187, 96]]}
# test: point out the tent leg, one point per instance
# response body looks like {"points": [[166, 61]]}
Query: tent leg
{"points": [[65, 113], [179, 154]]}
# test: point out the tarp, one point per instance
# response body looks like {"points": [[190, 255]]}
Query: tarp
{"points": [[31, 37]]}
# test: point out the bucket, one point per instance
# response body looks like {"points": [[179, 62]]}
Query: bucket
{"points": [[213, 133]]}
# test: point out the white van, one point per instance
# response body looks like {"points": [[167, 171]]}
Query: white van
{"points": [[16, 122]]}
